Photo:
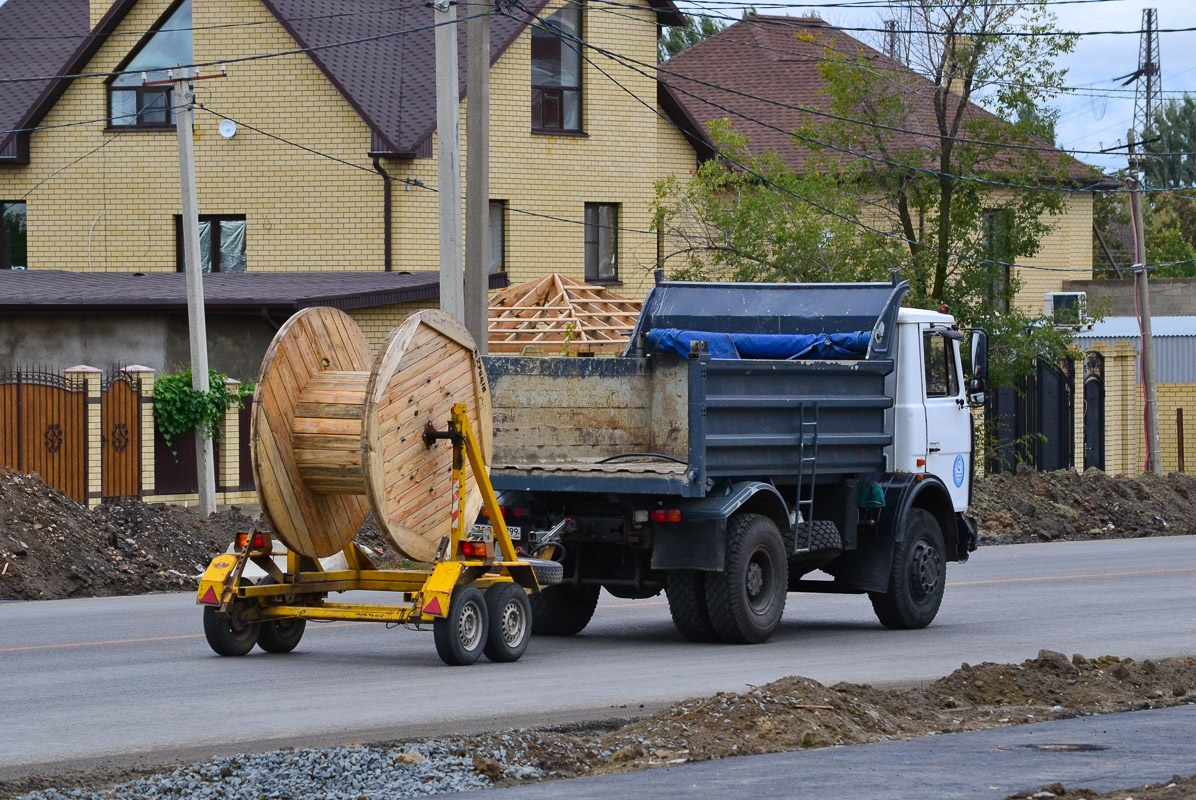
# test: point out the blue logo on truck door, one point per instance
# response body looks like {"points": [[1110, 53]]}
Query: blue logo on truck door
{"points": [[958, 470]]}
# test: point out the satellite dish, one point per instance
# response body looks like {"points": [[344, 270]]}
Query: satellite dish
{"points": [[228, 128]]}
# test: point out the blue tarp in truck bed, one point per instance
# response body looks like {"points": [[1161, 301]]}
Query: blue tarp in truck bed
{"points": [[785, 347]]}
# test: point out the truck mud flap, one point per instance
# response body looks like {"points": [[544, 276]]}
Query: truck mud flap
{"points": [[700, 544]]}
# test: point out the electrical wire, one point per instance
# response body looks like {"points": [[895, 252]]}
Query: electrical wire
{"points": [[542, 25]]}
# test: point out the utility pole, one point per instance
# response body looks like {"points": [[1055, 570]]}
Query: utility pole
{"points": [[1154, 462], [184, 117], [448, 160], [477, 179]]}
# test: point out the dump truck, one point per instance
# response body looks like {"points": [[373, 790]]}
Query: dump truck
{"points": [[751, 437]]}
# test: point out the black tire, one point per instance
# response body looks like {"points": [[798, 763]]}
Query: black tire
{"points": [[281, 635], [746, 600], [461, 635], [917, 578], [563, 610], [547, 572], [510, 622], [226, 636], [686, 590]]}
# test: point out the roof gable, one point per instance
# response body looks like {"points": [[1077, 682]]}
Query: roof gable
{"points": [[767, 67], [386, 75], [38, 38]]}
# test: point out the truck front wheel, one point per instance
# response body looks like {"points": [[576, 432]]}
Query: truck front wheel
{"points": [[917, 578], [563, 610], [746, 600]]}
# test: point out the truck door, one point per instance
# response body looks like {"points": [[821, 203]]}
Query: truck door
{"points": [[948, 421]]}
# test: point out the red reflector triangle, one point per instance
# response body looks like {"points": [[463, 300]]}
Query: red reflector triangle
{"points": [[210, 597], [434, 607]]}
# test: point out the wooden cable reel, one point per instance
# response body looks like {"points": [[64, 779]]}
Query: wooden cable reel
{"points": [[336, 436]]}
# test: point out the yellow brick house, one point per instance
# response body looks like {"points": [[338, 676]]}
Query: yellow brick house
{"points": [[315, 153]]}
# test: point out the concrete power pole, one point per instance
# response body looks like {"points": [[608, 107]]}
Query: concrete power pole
{"points": [[477, 179], [448, 160], [1154, 461], [184, 100]]}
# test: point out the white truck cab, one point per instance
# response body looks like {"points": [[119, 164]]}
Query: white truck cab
{"points": [[933, 424]]}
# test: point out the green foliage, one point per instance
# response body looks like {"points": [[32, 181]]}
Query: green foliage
{"points": [[673, 40], [1170, 231], [1175, 129], [180, 409], [911, 204]]}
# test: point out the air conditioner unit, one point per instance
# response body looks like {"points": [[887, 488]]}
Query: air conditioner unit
{"points": [[1068, 308]]}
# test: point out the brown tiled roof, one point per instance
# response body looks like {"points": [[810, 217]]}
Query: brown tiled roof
{"points": [[36, 39], [390, 80], [48, 291], [777, 59]]}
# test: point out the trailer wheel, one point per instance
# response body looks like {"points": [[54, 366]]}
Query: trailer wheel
{"points": [[226, 636], [280, 635], [686, 590], [563, 610], [510, 622], [461, 635], [747, 598], [917, 578]]}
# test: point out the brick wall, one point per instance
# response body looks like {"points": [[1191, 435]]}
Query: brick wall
{"points": [[306, 212]]}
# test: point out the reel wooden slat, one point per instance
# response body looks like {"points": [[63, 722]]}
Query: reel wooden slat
{"points": [[335, 436]]}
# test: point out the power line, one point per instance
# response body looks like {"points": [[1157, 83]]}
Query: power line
{"points": [[244, 59], [764, 178]]}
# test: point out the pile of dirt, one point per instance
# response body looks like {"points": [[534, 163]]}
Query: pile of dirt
{"points": [[797, 713], [1178, 788], [1036, 506], [52, 547]]}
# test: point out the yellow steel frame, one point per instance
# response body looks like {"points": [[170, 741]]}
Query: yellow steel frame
{"points": [[300, 592]]}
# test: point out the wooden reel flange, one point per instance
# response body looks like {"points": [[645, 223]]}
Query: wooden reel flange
{"points": [[336, 435]]}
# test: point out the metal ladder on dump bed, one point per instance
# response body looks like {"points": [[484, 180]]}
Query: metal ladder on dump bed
{"points": [[807, 466]]}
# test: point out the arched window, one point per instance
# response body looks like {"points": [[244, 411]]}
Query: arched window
{"points": [[133, 105]]}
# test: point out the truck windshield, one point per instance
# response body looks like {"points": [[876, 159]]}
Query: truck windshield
{"points": [[939, 355]]}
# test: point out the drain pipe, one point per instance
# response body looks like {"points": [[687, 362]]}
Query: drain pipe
{"points": [[89, 232], [386, 237]]}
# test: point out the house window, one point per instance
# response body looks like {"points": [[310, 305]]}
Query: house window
{"points": [[602, 242], [13, 236], [941, 379], [498, 235], [998, 246], [556, 73], [133, 105], [221, 243]]}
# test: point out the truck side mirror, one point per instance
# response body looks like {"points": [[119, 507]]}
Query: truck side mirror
{"points": [[976, 385]]}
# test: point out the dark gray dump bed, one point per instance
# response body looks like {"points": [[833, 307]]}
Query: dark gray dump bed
{"points": [[661, 424]]}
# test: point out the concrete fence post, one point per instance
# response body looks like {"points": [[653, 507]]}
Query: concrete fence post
{"points": [[94, 473]]}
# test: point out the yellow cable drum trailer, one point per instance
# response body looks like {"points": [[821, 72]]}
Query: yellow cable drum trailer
{"points": [[406, 435]]}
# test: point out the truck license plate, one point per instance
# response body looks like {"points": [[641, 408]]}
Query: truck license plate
{"points": [[485, 533]]}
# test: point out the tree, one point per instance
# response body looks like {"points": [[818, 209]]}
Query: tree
{"points": [[952, 229], [1173, 131], [674, 40]]}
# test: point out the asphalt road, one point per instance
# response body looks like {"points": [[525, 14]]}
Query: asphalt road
{"points": [[132, 681]]}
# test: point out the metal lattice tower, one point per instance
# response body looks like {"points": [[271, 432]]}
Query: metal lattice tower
{"points": [[1148, 78]]}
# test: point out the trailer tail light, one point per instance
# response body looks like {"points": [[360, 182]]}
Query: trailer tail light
{"points": [[474, 550], [259, 542], [666, 515]]}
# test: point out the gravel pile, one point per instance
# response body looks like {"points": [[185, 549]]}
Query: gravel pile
{"points": [[335, 773]]}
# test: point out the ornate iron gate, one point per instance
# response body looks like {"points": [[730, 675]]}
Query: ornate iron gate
{"points": [[1094, 410], [43, 428], [120, 418]]}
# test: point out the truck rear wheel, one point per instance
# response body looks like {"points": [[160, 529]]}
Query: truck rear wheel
{"points": [[563, 610], [746, 600], [686, 590], [917, 578]]}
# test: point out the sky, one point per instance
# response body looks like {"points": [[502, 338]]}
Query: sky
{"points": [[1085, 122]]}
